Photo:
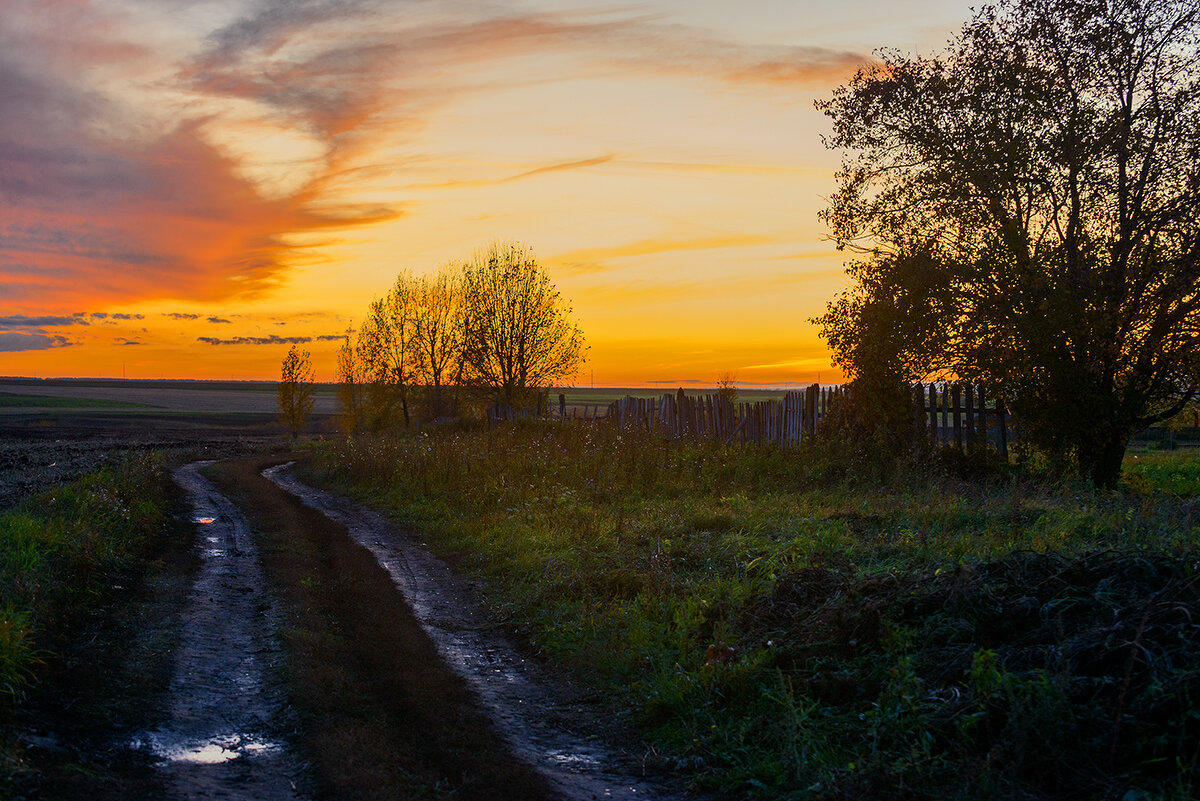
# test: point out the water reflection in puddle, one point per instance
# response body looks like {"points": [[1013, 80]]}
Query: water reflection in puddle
{"points": [[569, 758], [208, 751]]}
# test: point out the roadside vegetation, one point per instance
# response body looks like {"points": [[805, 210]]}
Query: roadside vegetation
{"points": [[63, 550], [91, 573], [809, 624]]}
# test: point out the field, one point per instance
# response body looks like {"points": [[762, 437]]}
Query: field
{"points": [[799, 625], [767, 623]]}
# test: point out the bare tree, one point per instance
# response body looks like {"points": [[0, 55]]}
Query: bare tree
{"points": [[438, 336], [351, 385], [519, 338], [387, 350], [295, 389]]}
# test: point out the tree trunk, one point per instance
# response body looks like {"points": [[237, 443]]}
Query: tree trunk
{"points": [[1101, 455]]}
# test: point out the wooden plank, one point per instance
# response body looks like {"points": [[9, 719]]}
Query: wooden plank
{"points": [[956, 411], [970, 424], [983, 426], [1002, 414]]}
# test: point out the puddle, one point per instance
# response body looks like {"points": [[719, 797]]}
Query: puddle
{"points": [[224, 700], [210, 751], [524, 708]]}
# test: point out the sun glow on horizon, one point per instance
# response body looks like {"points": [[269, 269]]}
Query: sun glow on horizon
{"points": [[186, 195]]}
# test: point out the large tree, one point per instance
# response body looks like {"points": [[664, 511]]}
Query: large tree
{"points": [[518, 335], [1026, 210]]}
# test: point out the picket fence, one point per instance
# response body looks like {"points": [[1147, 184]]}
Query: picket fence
{"points": [[784, 422], [955, 414]]}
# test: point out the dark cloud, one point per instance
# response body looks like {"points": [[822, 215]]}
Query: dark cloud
{"points": [[122, 341], [330, 338], [269, 340], [218, 320], [23, 321], [128, 316], [181, 316], [15, 341]]}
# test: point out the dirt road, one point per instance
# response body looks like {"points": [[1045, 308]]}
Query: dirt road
{"points": [[227, 715], [387, 680]]}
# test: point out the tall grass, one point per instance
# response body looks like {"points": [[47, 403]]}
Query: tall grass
{"points": [[780, 626], [63, 550]]}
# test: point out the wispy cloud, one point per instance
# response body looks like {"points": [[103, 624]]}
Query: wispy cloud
{"points": [[219, 320], [593, 260], [558, 166]]}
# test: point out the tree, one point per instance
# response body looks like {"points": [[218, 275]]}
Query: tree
{"points": [[295, 389], [1026, 207], [387, 350], [518, 335], [438, 336], [351, 404]]}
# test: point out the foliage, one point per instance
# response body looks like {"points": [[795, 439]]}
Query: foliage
{"points": [[519, 339], [1025, 205], [62, 552], [782, 627], [727, 386], [351, 387], [295, 389], [386, 350]]}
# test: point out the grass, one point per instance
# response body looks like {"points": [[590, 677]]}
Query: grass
{"points": [[11, 401], [781, 628], [64, 551]]}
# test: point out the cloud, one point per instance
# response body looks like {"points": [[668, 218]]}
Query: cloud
{"points": [[219, 320], [548, 168], [330, 338], [591, 260], [268, 340], [23, 321], [15, 341], [100, 203], [122, 341], [181, 316], [128, 316]]}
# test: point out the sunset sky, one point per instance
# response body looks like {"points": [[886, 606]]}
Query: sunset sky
{"points": [[186, 187]]}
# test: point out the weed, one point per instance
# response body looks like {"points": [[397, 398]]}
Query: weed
{"points": [[784, 625]]}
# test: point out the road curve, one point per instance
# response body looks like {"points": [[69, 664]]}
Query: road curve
{"points": [[536, 724]]}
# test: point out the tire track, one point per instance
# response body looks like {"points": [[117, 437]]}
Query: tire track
{"points": [[224, 736], [538, 727]]}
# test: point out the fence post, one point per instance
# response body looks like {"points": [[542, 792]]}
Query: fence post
{"points": [[970, 416], [955, 399], [1002, 413], [983, 424]]}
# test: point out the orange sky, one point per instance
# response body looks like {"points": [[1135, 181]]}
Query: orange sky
{"points": [[188, 187]]}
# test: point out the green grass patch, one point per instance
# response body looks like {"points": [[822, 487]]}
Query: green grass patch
{"points": [[11, 401], [784, 629], [62, 551]]}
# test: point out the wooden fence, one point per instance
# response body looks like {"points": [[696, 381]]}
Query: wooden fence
{"points": [[960, 415], [785, 422]]}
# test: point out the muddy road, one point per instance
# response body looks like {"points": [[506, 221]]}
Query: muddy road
{"points": [[389, 681], [227, 718]]}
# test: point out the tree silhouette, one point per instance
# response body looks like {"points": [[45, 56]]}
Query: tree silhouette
{"points": [[295, 389], [1026, 207], [518, 335]]}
